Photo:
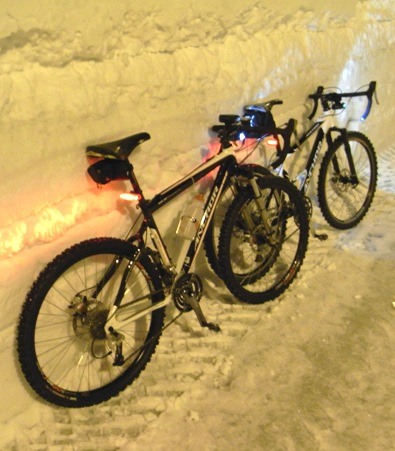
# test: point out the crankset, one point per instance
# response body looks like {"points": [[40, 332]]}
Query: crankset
{"points": [[187, 292], [309, 207], [187, 287]]}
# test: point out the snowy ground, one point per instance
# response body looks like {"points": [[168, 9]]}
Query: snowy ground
{"points": [[312, 370]]}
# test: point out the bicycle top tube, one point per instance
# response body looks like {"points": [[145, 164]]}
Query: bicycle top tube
{"points": [[114, 166], [284, 152], [224, 161], [190, 179]]}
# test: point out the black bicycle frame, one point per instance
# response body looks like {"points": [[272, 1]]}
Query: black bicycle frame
{"points": [[227, 165], [312, 159], [313, 156]]}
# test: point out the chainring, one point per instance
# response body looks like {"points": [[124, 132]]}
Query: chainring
{"points": [[309, 206], [187, 286]]}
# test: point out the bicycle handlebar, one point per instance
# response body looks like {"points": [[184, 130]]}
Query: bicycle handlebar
{"points": [[234, 125], [335, 99]]}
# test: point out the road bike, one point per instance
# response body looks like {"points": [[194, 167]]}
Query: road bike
{"points": [[348, 173], [94, 316]]}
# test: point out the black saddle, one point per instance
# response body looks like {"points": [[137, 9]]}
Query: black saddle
{"points": [[264, 106], [120, 149]]}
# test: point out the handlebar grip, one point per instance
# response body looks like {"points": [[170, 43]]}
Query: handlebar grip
{"points": [[369, 94], [367, 111], [371, 89], [217, 128]]}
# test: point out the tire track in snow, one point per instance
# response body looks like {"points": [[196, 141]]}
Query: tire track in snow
{"points": [[386, 164], [186, 354]]}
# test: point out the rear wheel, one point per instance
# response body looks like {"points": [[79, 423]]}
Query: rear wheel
{"points": [[259, 262], [65, 350], [347, 180]]}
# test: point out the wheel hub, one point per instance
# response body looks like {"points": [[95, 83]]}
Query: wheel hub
{"points": [[343, 181]]}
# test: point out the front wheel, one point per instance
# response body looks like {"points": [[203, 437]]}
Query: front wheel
{"points": [[347, 180], [261, 251], [65, 351], [211, 239]]}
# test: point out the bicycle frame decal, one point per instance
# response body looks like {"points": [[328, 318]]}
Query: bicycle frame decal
{"points": [[309, 132], [208, 211], [312, 159], [190, 179], [206, 215]]}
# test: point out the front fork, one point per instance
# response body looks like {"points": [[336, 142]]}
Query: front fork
{"points": [[347, 148], [260, 201]]}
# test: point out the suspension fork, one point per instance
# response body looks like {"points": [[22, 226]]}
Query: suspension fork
{"points": [[262, 207]]}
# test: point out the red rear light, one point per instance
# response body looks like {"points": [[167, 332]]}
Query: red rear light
{"points": [[130, 197]]}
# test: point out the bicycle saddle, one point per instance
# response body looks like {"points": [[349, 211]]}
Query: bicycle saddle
{"points": [[120, 149], [264, 106]]}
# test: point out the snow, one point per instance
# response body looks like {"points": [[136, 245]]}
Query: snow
{"points": [[312, 370]]}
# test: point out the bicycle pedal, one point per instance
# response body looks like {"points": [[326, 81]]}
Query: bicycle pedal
{"points": [[321, 236], [213, 326]]}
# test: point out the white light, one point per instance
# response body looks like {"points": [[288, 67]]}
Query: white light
{"points": [[272, 141], [242, 136]]}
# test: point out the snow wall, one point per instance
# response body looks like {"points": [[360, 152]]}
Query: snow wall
{"points": [[81, 72]]}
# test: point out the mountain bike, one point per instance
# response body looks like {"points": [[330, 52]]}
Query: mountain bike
{"points": [[94, 316], [348, 173]]}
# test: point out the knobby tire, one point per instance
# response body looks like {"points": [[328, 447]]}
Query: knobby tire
{"points": [[257, 269], [62, 344], [344, 196]]}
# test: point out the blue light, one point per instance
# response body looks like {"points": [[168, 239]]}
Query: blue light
{"points": [[242, 136]]}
